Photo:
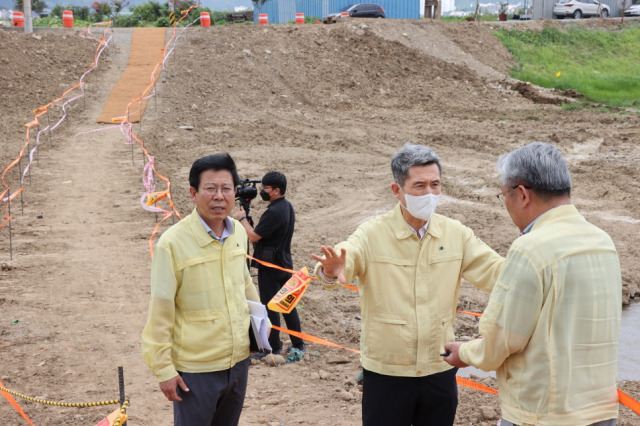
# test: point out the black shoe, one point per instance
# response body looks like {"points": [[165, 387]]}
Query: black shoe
{"points": [[302, 348], [261, 354]]}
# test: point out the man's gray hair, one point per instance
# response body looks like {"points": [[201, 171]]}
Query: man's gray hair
{"points": [[539, 166], [412, 155]]}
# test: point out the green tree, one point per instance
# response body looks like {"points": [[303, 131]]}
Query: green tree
{"points": [[258, 4], [57, 11], [129, 21], [151, 11], [101, 9], [162, 22], [36, 5], [80, 12], [219, 17], [117, 6]]}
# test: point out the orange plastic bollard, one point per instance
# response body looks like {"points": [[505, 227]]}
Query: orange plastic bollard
{"points": [[18, 19], [299, 18], [263, 19], [205, 19], [67, 18]]}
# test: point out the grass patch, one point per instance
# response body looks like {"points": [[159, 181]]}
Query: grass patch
{"points": [[602, 65], [481, 17], [572, 106]]}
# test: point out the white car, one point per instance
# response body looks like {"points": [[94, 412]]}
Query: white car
{"points": [[579, 9], [633, 10]]}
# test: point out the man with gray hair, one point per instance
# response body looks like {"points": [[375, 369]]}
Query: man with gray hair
{"points": [[409, 263], [551, 327]]}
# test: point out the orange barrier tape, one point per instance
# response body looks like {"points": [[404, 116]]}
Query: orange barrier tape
{"points": [[155, 231], [475, 314], [11, 197], [15, 404], [629, 402], [350, 287], [623, 397], [124, 120], [313, 339], [474, 385], [271, 265], [39, 112]]}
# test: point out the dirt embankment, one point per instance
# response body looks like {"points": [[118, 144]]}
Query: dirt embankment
{"points": [[326, 105]]}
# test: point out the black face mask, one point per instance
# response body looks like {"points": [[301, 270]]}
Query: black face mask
{"points": [[264, 195]]}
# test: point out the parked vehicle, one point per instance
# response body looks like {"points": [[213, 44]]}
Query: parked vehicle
{"points": [[580, 9], [358, 10], [633, 10]]}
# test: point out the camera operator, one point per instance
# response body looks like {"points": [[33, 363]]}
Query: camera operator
{"points": [[272, 239]]}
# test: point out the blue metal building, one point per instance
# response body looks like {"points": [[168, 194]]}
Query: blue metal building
{"points": [[283, 11]]}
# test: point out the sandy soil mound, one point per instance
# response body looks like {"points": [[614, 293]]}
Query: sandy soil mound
{"points": [[325, 104]]}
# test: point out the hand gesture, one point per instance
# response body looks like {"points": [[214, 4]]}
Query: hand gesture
{"points": [[332, 263]]}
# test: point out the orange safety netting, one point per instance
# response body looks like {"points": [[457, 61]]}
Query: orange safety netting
{"points": [[43, 110]]}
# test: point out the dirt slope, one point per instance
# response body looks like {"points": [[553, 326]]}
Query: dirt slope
{"points": [[326, 105]]}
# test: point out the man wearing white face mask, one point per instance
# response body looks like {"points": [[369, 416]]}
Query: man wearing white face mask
{"points": [[409, 263]]}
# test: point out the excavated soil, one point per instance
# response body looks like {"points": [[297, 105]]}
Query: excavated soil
{"points": [[327, 105]]}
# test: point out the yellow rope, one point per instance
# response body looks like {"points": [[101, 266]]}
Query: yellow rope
{"points": [[123, 414], [60, 404]]}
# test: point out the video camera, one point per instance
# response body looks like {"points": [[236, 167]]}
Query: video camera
{"points": [[247, 191]]}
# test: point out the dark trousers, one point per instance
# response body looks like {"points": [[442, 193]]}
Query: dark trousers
{"points": [[270, 281], [214, 399], [404, 401]]}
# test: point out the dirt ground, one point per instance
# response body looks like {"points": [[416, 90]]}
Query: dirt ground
{"points": [[327, 105]]}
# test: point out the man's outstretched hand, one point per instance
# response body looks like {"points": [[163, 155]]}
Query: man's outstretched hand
{"points": [[332, 263]]}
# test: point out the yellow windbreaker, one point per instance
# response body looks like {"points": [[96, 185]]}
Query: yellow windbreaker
{"points": [[409, 289], [552, 324], [198, 318]]}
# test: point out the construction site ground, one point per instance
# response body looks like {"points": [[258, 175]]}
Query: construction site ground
{"points": [[328, 105]]}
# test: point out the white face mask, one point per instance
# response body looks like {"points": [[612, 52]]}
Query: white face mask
{"points": [[421, 206]]}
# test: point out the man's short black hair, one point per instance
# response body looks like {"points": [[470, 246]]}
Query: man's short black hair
{"points": [[215, 162], [275, 180]]}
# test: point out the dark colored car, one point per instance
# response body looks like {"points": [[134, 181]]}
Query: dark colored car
{"points": [[358, 10]]}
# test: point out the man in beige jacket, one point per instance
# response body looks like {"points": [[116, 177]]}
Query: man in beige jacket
{"points": [[409, 263], [552, 323]]}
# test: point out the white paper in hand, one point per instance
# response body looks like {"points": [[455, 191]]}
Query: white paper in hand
{"points": [[258, 314]]}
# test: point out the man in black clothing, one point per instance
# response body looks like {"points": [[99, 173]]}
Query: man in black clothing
{"points": [[272, 239]]}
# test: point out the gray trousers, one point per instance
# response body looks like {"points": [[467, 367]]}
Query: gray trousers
{"points": [[214, 399], [611, 422]]}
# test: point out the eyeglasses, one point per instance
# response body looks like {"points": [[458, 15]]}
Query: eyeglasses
{"points": [[501, 196], [211, 190]]}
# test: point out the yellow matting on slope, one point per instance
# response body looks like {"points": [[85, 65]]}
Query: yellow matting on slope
{"points": [[146, 52]]}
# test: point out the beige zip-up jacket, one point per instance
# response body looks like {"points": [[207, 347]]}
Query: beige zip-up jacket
{"points": [[552, 324], [198, 318], [409, 289]]}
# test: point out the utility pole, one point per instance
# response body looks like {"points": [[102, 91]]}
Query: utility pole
{"points": [[28, 23]]}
